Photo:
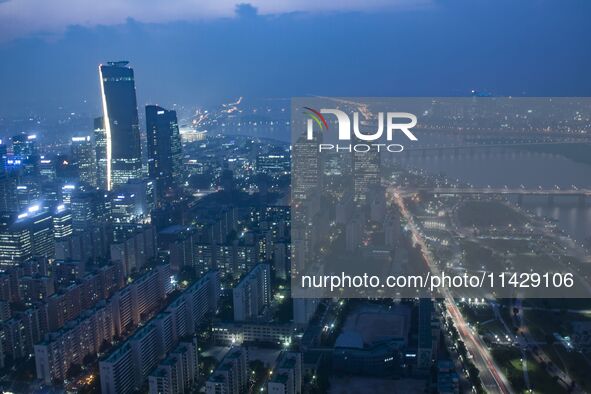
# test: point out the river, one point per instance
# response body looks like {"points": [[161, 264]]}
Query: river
{"points": [[513, 167]]}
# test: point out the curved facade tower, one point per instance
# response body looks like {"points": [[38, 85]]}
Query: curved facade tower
{"points": [[121, 123]]}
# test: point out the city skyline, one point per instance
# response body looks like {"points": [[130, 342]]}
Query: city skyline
{"points": [[295, 197]]}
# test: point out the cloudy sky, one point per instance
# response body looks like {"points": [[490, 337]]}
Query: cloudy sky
{"points": [[25, 17], [200, 52]]}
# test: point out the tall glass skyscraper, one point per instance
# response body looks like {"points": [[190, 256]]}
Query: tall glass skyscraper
{"points": [[83, 154], [164, 147], [24, 147], [100, 146], [121, 123]]}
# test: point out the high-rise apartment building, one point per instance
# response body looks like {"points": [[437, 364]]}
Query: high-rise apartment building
{"points": [[230, 377], [178, 372], [116, 371], [252, 294], [287, 376]]}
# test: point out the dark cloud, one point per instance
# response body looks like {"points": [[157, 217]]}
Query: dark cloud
{"points": [[245, 10]]}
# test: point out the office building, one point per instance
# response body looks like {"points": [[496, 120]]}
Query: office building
{"points": [[62, 223], [88, 207], [15, 246], [30, 233], [25, 150], [164, 147], [123, 149], [8, 198], [3, 156], [133, 201], [47, 168], [39, 222], [100, 150], [84, 159]]}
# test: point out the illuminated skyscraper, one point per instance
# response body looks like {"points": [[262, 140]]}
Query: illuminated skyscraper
{"points": [[15, 246], [3, 156], [100, 148], [83, 155], [62, 223], [39, 222], [8, 193], [30, 233], [24, 147], [121, 123], [164, 147], [87, 209]]}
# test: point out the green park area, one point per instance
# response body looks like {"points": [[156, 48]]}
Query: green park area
{"points": [[512, 363]]}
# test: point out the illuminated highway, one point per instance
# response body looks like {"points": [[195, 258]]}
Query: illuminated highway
{"points": [[556, 191], [492, 379]]}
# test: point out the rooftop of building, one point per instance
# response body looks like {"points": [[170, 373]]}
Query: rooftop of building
{"points": [[287, 362], [182, 348], [216, 378], [170, 360], [158, 372], [312, 357], [350, 339], [118, 353], [174, 229], [143, 332], [280, 378]]}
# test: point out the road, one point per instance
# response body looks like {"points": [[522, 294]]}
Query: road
{"points": [[492, 379], [526, 340]]}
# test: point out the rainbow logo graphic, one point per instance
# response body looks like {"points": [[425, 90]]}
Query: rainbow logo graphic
{"points": [[317, 117]]}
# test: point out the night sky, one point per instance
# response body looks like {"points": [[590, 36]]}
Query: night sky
{"points": [[205, 52]]}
